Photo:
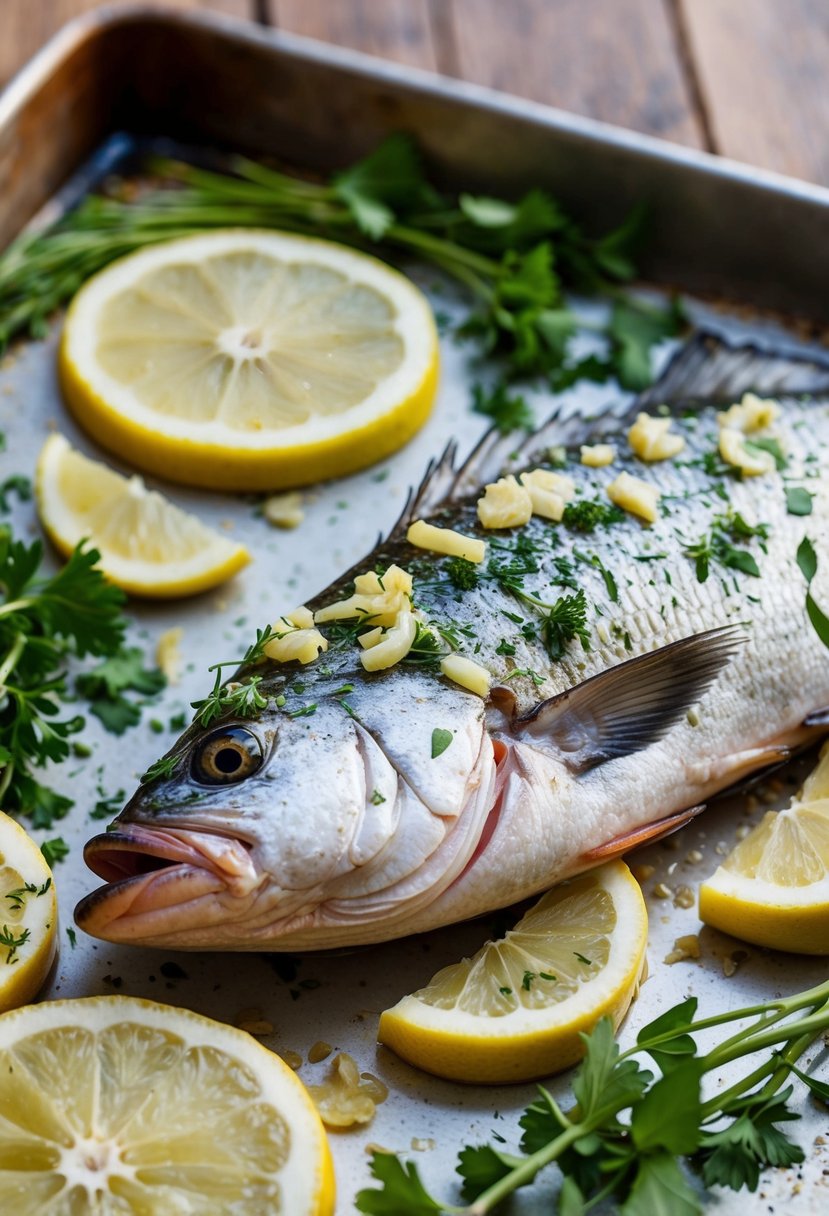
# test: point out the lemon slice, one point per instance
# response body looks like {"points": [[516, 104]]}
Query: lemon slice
{"points": [[773, 888], [516, 1009], [148, 546], [250, 360], [115, 1105], [28, 917]]}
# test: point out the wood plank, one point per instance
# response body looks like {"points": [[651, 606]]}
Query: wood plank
{"points": [[27, 24], [617, 61], [393, 29], [762, 67]]}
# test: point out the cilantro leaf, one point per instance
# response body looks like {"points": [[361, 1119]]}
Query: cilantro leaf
{"points": [[798, 500], [482, 1165], [540, 1122], [79, 603], [387, 182], [602, 1083], [614, 252], [105, 685], [401, 1190], [21, 486], [669, 1114], [661, 1189], [735, 1155], [634, 329], [54, 850], [508, 412]]}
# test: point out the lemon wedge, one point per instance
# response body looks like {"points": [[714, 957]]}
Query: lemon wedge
{"points": [[120, 1106], [148, 546], [250, 360], [517, 1008], [28, 917], [773, 888]]}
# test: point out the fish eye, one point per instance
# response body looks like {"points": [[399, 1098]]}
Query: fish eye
{"points": [[227, 755]]}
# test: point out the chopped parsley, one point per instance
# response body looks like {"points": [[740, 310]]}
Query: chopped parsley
{"points": [[798, 500], [566, 620], [376, 798], [586, 514], [717, 546], [462, 574], [54, 850], [507, 412]]}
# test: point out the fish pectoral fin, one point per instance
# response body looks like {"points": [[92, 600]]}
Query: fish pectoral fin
{"points": [[629, 706], [646, 834], [818, 717]]}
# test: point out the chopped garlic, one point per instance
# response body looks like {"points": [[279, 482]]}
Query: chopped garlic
{"points": [[466, 673], [597, 455], [505, 504], [733, 451], [284, 510], [548, 491], [393, 646], [304, 645], [445, 540], [651, 440], [168, 655], [634, 495], [752, 414], [301, 618], [377, 599], [344, 1099], [370, 638]]}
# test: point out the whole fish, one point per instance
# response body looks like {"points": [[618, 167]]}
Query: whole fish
{"points": [[636, 671]]}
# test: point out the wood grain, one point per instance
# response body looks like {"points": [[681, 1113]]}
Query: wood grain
{"points": [[393, 29], [762, 68], [617, 61], [25, 25]]}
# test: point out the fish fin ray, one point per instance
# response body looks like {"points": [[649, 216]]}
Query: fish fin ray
{"points": [[646, 834], [818, 717], [633, 704], [433, 492]]}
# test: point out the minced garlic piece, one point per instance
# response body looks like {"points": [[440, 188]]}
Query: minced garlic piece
{"points": [[752, 414], [377, 598], [284, 510], [302, 617], [651, 440], [344, 1098], [445, 540], [304, 645], [597, 455], [466, 673], [505, 504], [548, 491], [393, 646], [370, 638], [733, 451], [634, 495], [168, 655]]}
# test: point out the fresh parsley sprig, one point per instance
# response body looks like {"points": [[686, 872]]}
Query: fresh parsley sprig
{"points": [[44, 621], [630, 1130], [514, 259]]}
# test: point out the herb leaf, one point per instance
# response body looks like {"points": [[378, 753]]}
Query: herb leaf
{"points": [[798, 500], [440, 741], [660, 1189], [507, 412], [401, 1191]]}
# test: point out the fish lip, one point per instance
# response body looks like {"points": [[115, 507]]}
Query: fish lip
{"points": [[134, 849], [109, 912]]}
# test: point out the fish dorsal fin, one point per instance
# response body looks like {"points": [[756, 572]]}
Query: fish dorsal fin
{"points": [[433, 491], [710, 367], [629, 706]]}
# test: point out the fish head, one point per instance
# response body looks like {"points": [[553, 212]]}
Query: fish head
{"points": [[298, 831]]}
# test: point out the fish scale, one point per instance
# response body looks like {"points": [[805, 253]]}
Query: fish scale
{"points": [[683, 687]]}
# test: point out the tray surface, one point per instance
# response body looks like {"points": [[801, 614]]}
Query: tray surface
{"points": [[337, 998]]}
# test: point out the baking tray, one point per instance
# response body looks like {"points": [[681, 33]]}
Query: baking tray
{"points": [[719, 230]]}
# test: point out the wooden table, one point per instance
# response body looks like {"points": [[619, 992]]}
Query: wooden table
{"points": [[745, 78]]}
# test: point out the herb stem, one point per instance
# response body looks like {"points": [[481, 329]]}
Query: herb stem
{"points": [[10, 662], [528, 1169]]}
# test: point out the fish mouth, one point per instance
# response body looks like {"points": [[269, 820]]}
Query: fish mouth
{"points": [[160, 882]]}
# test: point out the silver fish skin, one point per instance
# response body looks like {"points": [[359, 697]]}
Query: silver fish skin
{"points": [[327, 820]]}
